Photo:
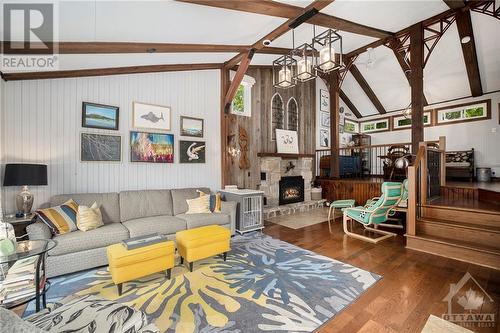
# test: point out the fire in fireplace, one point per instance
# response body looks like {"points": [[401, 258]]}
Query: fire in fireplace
{"points": [[291, 190]]}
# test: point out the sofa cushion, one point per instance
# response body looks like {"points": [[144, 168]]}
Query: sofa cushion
{"points": [[200, 220], [60, 219], [146, 203], [77, 241], [108, 202], [179, 197], [164, 225]]}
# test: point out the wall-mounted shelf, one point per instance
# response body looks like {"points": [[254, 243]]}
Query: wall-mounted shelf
{"points": [[294, 156]]}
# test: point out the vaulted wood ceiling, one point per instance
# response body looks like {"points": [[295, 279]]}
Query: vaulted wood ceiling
{"points": [[104, 34]]}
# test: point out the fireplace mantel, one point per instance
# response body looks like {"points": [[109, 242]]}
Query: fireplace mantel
{"points": [[286, 156]]}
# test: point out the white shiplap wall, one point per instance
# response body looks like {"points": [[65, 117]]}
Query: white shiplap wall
{"points": [[42, 124]]}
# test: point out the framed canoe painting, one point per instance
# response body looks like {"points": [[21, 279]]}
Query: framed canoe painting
{"points": [[150, 116], [100, 148], [151, 147], [100, 116]]}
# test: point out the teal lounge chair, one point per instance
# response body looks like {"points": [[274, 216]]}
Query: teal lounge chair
{"points": [[373, 215]]}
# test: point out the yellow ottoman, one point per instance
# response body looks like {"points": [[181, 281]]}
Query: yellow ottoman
{"points": [[204, 242], [126, 265]]}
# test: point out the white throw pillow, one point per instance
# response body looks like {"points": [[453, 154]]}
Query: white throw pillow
{"points": [[199, 205], [89, 218]]}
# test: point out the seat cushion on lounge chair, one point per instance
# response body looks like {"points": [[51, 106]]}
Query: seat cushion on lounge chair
{"points": [[77, 241], [164, 225], [201, 220], [359, 215]]}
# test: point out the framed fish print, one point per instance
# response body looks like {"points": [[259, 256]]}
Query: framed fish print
{"points": [[151, 116], [191, 151], [191, 127], [100, 116]]}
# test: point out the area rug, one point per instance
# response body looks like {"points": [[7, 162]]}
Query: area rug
{"points": [[304, 219], [266, 285]]}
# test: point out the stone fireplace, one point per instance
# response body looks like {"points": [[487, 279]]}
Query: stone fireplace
{"points": [[291, 190], [275, 168]]}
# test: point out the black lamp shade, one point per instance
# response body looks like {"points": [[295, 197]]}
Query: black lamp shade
{"points": [[25, 174]]}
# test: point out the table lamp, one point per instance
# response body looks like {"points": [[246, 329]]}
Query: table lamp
{"points": [[17, 174]]}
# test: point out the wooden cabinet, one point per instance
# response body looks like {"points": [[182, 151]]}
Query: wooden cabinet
{"points": [[364, 153]]}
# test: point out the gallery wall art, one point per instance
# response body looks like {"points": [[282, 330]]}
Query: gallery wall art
{"points": [[100, 148], [325, 119], [287, 142], [191, 126], [192, 151], [100, 116], [150, 116], [151, 147], [324, 100], [324, 138]]}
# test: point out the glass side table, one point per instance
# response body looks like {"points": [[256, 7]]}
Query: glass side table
{"points": [[27, 249]]}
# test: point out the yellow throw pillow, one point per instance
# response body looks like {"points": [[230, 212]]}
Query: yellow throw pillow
{"points": [[89, 218], [199, 205], [215, 201], [60, 219]]}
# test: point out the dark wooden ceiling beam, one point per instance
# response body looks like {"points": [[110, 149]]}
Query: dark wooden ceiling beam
{"points": [[238, 77], [108, 71], [454, 4], [128, 47], [464, 25], [277, 9], [367, 89], [417, 85], [350, 104]]}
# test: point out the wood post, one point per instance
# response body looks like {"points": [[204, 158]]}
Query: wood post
{"points": [[417, 85], [442, 164], [423, 175], [334, 90], [224, 128], [411, 213]]}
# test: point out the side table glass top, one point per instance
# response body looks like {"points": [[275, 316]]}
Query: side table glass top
{"points": [[29, 248]]}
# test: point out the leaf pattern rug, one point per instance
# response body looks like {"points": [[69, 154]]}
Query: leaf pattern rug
{"points": [[266, 285]]}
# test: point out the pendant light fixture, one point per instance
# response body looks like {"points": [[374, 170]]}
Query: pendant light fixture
{"points": [[306, 61], [407, 112], [330, 50], [284, 71]]}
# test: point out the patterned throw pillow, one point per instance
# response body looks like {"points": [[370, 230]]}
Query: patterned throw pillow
{"points": [[89, 218], [60, 219], [215, 201], [199, 205]]}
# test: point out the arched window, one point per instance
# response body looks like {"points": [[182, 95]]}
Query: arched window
{"points": [[292, 115], [278, 115]]}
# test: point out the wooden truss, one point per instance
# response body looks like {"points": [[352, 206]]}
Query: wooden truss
{"points": [[490, 8]]}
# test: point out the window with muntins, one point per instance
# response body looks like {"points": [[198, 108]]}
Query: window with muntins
{"points": [[278, 114], [293, 115]]}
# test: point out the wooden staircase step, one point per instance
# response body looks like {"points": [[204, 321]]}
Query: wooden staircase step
{"points": [[463, 251], [458, 231], [466, 215]]}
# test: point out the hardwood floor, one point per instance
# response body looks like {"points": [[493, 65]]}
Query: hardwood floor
{"points": [[413, 284]]}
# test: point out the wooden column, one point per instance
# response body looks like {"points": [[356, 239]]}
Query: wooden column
{"points": [[417, 85], [334, 90], [224, 128]]}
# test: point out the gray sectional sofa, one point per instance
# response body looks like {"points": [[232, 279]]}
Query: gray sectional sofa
{"points": [[126, 214]]}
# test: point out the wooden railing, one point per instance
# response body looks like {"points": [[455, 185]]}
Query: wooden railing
{"points": [[423, 179]]}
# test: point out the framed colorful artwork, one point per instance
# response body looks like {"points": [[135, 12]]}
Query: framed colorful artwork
{"points": [[151, 147]]}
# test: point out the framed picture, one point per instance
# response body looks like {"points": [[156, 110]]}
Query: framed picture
{"points": [[287, 142], [191, 151], [376, 125], [351, 126], [100, 147], [100, 116], [151, 147], [401, 122], [325, 119], [324, 138], [341, 129], [150, 116], [191, 127], [324, 100], [480, 110]]}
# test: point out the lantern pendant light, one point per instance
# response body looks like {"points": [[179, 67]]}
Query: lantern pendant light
{"points": [[284, 69], [306, 59], [329, 43]]}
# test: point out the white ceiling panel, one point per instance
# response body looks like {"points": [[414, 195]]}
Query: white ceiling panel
{"points": [[160, 21], [445, 76], [386, 78], [357, 96], [487, 49], [386, 15], [298, 3], [304, 34]]}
